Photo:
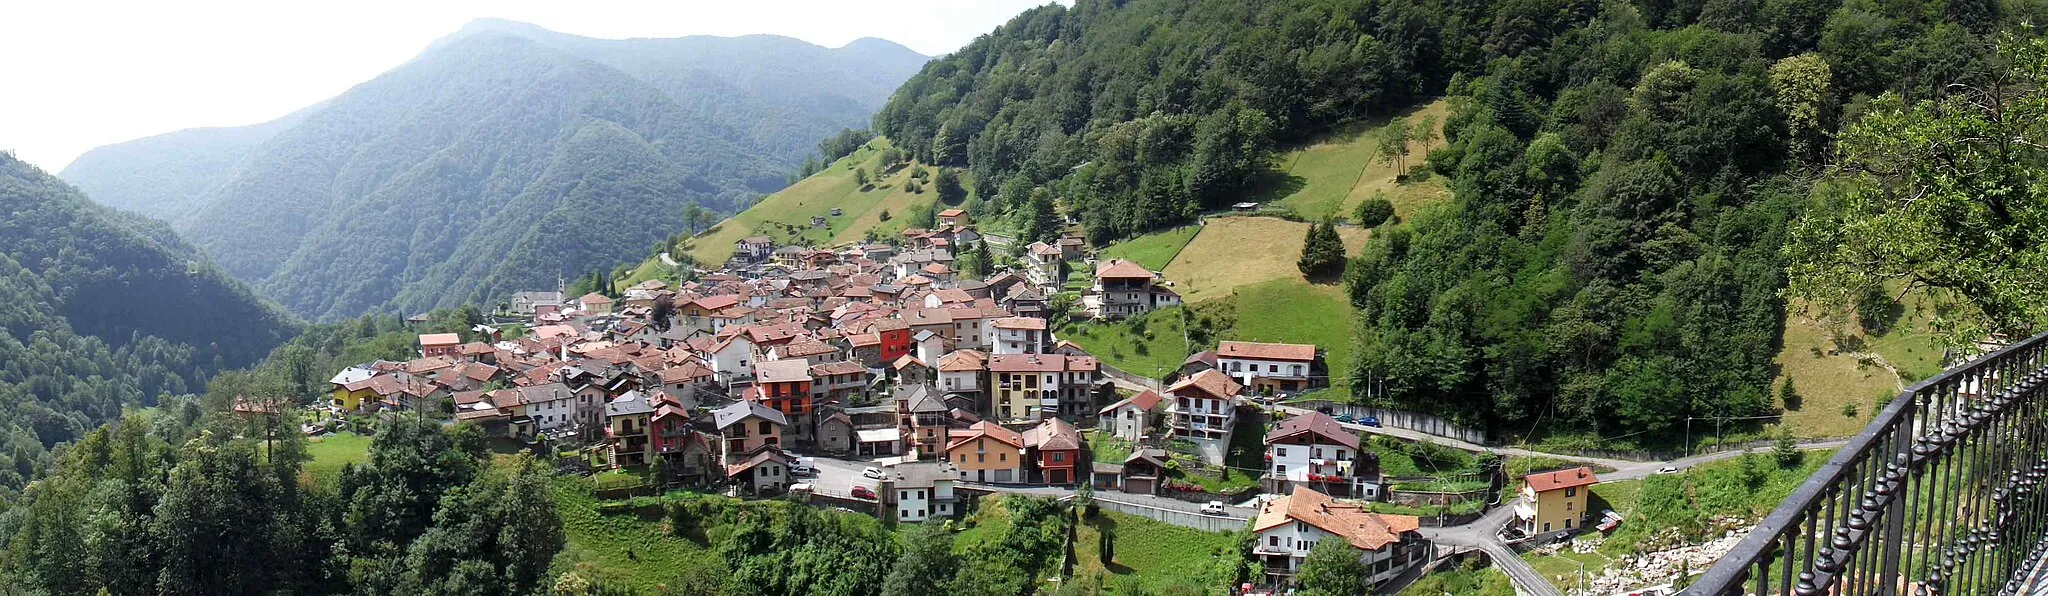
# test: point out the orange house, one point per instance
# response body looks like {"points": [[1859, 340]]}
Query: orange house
{"points": [[987, 452]]}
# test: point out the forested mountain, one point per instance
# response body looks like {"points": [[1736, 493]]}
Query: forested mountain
{"points": [[97, 313], [1624, 172], [168, 174], [507, 155], [1138, 115]]}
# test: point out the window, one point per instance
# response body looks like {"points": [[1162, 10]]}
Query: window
{"points": [[1571, 492], [1567, 523], [1002, 457], [920, 513], [1546, 526], [978, 457], [1059, 457], [1272, 541], [767, 427], [1567, 505], [920, 493], [1280, 469], [1279, 452], [904, 513]]}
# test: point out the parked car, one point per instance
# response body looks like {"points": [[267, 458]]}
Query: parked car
{"points": [[862, 492], [802, 469], [872, 472], [1346, 418], [1213, 508], [1327, 410], [1372, 421]]}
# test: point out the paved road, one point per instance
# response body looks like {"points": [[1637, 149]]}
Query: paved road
{"points": [[1484, 535]]}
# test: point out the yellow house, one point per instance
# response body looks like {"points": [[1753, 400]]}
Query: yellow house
{"points": [[1554, 501], [352, 387], [987, 452]]}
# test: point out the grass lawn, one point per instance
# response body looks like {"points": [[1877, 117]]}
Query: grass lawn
{"points": [[1745, 488], [1333, 176], [1159, 554], [791, 209], [986, 525], [1563, 567], [333, 451], [1831, 379], [1233, 251], [1292, 310], [624, 549], [1151, 345], [1153, 250], [1479, 581], [1107, 448]]}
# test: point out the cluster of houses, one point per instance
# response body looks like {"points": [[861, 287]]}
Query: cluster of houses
{"points": [[875, 351]]}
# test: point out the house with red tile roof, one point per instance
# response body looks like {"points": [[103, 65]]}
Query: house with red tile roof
{"points": [[1268, 368], [1124, 288], [1288, 527], [1554, 502]]}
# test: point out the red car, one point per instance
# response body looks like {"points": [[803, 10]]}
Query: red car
{"points": [[862, 492]]}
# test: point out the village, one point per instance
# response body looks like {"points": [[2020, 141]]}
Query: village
{"points": [[879, 379]]}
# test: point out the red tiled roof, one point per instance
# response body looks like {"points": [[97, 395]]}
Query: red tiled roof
{"points": [[1369, 531], [1561, 479], [1316, 423], [1264, 351], [436, 340], [1122, 269]]}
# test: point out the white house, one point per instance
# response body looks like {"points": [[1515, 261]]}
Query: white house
{"points": [[551, 406], [732, 358], [929, 346], [1019, 335], [920, 490], [1288, 527], [1203, 406], [960, 371], [1312, 450], [1267, 368], [1129, 418]]}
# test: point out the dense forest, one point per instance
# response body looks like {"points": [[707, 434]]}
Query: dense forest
{"points": [[1139, 115], [1625, 179], [178, 501], [499, 159], [1625, 173], [100, 311]]}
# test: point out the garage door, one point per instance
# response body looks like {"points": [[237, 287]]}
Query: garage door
{"points": [[1003, 476]]}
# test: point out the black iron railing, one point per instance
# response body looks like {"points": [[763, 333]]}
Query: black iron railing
{"points": [[1939, 495]]}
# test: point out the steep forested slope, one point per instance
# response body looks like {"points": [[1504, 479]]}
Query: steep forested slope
{"points": [[1624, 178], [1623, 171], [96, 314], [1141, 114], [507, 155]]}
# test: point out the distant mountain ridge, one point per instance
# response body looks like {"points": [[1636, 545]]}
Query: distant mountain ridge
{"points": [[501, 157]]}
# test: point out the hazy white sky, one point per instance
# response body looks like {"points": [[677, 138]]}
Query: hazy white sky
{"points": [[85, 73]]}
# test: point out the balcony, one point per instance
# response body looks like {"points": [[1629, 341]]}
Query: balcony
{"points": [[1940, 494]]}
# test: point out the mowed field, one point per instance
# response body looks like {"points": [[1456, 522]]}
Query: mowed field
{"points": [[1831, 379], [791, 209], [1239, 251], [1337, 173], [1153, 250]]}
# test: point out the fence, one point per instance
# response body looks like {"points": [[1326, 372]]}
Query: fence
{"points": [[1938, 495], [1401, 419], [1185, 519]]}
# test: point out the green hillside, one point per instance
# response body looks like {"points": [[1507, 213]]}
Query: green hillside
{"points": [[786, 215], [101, 311]]}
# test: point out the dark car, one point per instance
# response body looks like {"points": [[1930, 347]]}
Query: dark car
{"points": [[1370, 421], [1346, 418], [862, 492], [1326, 410]]}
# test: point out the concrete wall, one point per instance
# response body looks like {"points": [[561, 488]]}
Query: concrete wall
{"points": [[1422, 423], [1186, 519]]}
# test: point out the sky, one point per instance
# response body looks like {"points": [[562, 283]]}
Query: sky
{"points": [[86, 73]]}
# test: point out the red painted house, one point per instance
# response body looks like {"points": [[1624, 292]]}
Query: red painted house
{"points": [[1055, 447], [895, 338], [785, 386]]}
